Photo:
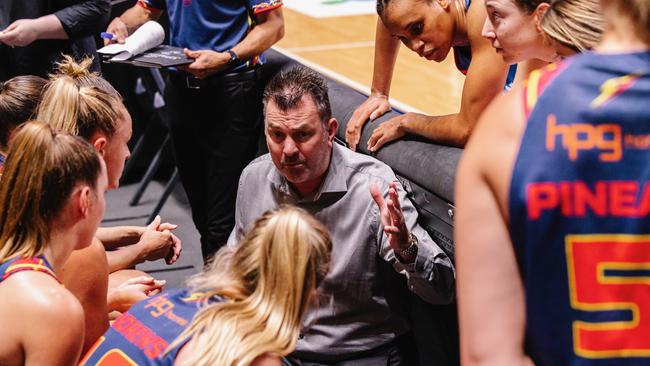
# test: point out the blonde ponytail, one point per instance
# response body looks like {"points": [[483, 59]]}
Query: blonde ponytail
{"points": [[577, 24], [40, 173], [79, 101], [68, 66], [268, 281]]}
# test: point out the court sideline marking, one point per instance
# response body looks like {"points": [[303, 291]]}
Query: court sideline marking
{"points": [[331, 47]]}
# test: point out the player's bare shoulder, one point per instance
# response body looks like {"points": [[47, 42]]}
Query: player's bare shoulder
{"points": [[39, 296], [36, 303]]}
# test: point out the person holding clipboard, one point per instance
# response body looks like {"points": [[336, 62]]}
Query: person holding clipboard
{"points": [[214, 102]]}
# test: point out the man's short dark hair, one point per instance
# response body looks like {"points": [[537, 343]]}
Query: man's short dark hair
{"points": [[287, 88]]}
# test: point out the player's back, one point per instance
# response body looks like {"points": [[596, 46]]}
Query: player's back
{"points": [[580, 212], [143, 335]]}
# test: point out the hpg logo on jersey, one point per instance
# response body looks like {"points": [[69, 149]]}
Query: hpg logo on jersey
{"points": [[576, 137]]}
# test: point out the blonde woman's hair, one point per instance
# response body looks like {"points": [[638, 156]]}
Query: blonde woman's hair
{"points": [[577, 24], [42, 169], [79, 101], [267, 282], [19, 97]]}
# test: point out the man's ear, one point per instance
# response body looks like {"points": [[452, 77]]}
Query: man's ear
{"points": [[539, 12], [99, 142], [332, 126]]}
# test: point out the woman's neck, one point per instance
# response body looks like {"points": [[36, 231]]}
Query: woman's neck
{"points": [[58, 249], [620, 35]]}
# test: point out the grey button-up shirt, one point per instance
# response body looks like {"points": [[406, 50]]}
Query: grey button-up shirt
{"points": [[360, 318]]}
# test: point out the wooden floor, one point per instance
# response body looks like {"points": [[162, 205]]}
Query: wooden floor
{"points": [[345, 46]]}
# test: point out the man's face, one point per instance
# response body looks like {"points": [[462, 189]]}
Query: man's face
{"points": [[300, 143]]}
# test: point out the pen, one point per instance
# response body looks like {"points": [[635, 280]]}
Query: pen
{"points": [[107, 35]]}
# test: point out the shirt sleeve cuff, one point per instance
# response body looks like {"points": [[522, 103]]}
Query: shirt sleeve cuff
{"points": [[418, 265], [150, 5], [266, 6]]}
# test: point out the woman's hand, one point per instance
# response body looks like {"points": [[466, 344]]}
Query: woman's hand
{"points": [[133, 290], [374, 107], [157, 242], [395, 128], [386, 132]]}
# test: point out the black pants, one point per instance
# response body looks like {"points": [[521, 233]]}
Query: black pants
{"points": [[214, 130]]}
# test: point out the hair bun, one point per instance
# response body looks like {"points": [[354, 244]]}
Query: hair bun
{"points": [[69, 67]]}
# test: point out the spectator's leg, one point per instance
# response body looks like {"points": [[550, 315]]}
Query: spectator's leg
{"points": [[236, 135], [185, 107]]}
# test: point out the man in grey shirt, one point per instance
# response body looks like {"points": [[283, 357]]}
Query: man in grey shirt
{"points": [[373, 225]]}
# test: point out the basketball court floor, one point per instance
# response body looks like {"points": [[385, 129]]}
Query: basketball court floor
{"points": [[337, 38]]}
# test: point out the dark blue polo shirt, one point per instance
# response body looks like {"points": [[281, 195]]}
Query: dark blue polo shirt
{"points": [[216, 25]]}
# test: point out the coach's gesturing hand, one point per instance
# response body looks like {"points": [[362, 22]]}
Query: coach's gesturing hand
{"points": [[392, 220]]}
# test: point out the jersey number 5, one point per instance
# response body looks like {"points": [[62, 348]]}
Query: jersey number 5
{"points": [[610, 273]]}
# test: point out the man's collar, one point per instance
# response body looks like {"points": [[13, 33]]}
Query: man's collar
{"points": [[333, 183]]}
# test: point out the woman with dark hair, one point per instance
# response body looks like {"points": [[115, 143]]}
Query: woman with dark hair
{"points": [[431, 28], [19, 98]]}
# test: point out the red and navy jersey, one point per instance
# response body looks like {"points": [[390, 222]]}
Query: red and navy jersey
{"points": [[580, 211], [15, 265], [142, 335]]}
